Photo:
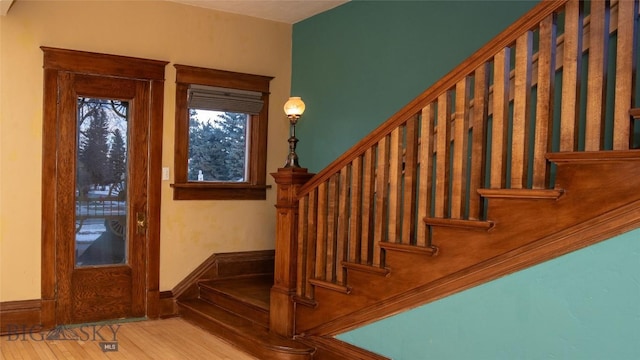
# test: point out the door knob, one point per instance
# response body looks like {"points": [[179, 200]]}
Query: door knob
{"points": [[141, 223]]}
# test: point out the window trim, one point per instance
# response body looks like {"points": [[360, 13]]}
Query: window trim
{"points": [[255, 186]]}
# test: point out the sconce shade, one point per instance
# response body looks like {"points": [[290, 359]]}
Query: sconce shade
{"points": [[294, 106]]}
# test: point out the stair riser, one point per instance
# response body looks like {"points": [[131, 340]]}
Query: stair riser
{"points": [[248, 311], [241, 340]]}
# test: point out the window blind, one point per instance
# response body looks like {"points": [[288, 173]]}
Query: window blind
{"points": [[224, 99]]}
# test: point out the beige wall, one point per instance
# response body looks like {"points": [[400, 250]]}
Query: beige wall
{"points": [[190, 230]]}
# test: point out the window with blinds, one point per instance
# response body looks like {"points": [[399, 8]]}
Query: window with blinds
{"points": [[221, 133]]}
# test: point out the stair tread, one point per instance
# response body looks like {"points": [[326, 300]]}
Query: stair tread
{"points": [[236, 325], [253, 290]]}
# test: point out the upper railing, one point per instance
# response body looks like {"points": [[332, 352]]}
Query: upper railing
{"points": [[562, 78]]}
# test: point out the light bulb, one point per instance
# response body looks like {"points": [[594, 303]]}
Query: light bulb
{"points": [[294, 106]]}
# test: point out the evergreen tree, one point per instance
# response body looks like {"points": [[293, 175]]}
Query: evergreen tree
{"points": [[217, 147], [202, 140], [234, 127], [117, 158], [94, 148]]}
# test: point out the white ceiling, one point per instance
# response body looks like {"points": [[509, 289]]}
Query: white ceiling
{"points": [[286, 11]]}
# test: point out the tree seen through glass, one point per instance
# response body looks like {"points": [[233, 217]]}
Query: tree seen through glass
{"points": [[217, 146], [101, 174]]}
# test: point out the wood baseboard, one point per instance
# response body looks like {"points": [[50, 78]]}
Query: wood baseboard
{"points": [[28, 314], [330, 348], [225, 265], [18, 317], [168, 306]]}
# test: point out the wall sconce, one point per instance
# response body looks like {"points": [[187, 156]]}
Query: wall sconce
{"points": [[294, 107]]}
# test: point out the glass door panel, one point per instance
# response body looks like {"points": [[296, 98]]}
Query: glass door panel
{"points": [[101, 182]]}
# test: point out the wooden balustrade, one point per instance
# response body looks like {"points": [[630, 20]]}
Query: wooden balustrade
{"points": [[489, 123]]}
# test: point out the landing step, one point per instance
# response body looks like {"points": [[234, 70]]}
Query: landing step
{"points": [[254, 290], [248, 297], [246, 334]]}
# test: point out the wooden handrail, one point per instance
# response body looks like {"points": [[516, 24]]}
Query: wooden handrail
{"points": [[483, 131], [502, 40]]}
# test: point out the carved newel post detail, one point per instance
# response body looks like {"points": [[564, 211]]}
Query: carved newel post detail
{"points": [[281, 312]]}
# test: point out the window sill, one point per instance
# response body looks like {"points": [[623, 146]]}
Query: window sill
{"points": [[219, 191]]}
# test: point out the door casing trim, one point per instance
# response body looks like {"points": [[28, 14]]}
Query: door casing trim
{"points": [[62, 60]]}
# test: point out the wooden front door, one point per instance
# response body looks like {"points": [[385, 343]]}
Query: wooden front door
{"points": [[102, 148], [102, 200]]}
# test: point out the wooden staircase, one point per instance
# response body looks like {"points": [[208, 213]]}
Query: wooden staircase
{"points": [[491, 170], [237, 309], [526, 227], [247, 297]]}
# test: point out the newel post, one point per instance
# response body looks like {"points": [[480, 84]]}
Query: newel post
{"points": [[281, 312]]}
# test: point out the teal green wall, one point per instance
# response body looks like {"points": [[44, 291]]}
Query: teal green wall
{"points": [[358, 64], [584, 305], [361, 62]]}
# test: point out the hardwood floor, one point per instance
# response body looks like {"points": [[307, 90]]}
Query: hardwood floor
{"points": [[171, 338]]}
